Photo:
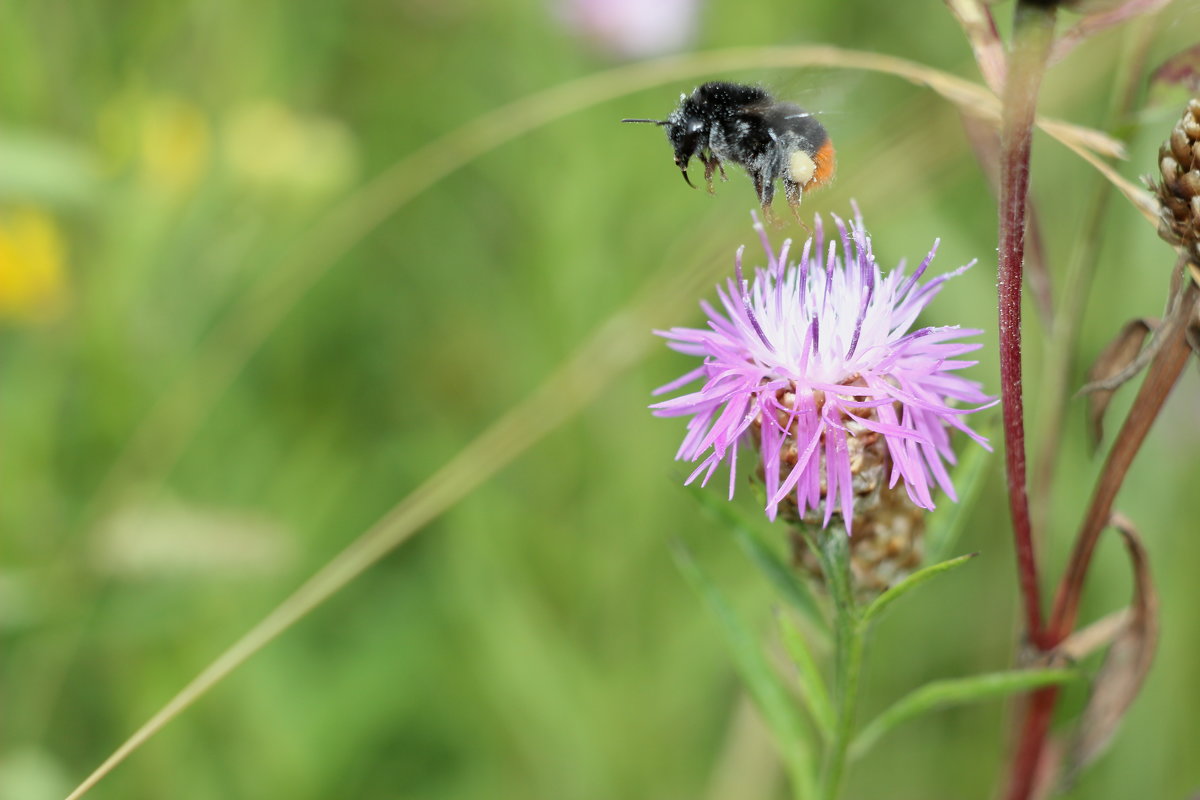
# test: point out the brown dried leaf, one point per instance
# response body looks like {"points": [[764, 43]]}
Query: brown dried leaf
{"points": [[1181, 69], [1112, 368], [1085, 641], [1100, 15], [1127, 662]]}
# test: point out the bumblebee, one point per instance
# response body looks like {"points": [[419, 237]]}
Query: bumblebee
{"points": [[744, 125]]}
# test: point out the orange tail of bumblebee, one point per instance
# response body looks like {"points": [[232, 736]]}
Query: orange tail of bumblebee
{"points": [[826, 164]]}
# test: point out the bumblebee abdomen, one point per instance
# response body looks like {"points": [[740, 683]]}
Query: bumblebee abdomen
{"points": [[824, 163]]}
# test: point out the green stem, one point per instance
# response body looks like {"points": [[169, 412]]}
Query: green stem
{"points": [[834, 552], [850, 656]]}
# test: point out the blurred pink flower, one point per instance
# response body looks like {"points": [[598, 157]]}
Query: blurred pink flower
{"points": [[633, 28]]}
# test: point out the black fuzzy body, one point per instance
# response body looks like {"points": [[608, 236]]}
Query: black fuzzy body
{"points": [[744, 125]]}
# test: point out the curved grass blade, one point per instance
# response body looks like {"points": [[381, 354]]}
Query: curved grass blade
{"points": [[908, 584], [792, 737], [953, 692]]}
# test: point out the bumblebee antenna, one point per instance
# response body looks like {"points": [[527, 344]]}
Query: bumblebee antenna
{"points": [[652, 121]]}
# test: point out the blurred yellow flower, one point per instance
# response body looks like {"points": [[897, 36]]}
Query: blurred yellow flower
{"points": [[32, 273], [269, 146], [175, 144]]}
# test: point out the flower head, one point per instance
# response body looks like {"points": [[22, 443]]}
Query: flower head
{"points": [[817, 364]]}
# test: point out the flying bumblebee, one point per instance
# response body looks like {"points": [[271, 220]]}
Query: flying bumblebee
{"points": [[744, 125]]}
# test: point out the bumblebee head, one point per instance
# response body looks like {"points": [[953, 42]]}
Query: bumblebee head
{"points": [[687, 135]]}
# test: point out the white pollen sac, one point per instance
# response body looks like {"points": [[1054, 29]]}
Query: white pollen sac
{"points": [[801, 167]]}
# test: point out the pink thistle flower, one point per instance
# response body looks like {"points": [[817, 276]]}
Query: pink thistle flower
{"points": [[811, 359]]}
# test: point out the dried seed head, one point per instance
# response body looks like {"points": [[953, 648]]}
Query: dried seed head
{"points": [[1179, 192]]}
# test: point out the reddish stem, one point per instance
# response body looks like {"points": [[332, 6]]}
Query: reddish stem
{"points": [[1035, 727], [1033, 33], [1033, 30], [1163, 373]]}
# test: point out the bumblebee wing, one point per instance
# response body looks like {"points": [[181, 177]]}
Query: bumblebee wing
{"points": [[802, 127]]}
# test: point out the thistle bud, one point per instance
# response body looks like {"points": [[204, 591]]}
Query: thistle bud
{"points": [[1179, 192]]}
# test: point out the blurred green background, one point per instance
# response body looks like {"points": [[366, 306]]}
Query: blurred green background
{"points": [[166, 171]]}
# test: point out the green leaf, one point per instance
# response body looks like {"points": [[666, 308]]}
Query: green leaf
{"points": [[969, 477], [785, 580], [908, 584], [41, 168], [956, 691], [811, 685], [792, 737]]}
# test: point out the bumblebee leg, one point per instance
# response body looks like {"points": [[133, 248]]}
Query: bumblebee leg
{"points": [[710, 164], [766, 192], [794, 194], [721, 168]]}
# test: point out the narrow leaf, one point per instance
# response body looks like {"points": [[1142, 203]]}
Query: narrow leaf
{"points": [[1126, 663], [952, 692], [813, 690], [1117, 363], [785, 580], [764, 685], [908, 584]]}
